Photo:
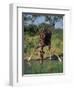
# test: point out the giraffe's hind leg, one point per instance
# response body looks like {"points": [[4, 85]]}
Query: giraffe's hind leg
{"points": [[41, 55]]}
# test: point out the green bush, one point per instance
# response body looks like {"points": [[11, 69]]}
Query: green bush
{"points": [[30, 42]]}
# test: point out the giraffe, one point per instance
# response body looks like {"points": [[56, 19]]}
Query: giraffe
{"points": [[45, 40]]}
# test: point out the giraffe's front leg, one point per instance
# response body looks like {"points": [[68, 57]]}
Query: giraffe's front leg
{"points": [[49, 51]]}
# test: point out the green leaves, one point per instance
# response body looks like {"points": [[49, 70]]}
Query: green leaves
{"points": [[52, 19], [47, 19]]}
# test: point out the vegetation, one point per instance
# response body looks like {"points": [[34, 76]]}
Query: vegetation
{"points": [[31, 41], [47, 67]]}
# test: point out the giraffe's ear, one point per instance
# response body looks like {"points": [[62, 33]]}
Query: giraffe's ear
{"points": [[43, 35]]}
